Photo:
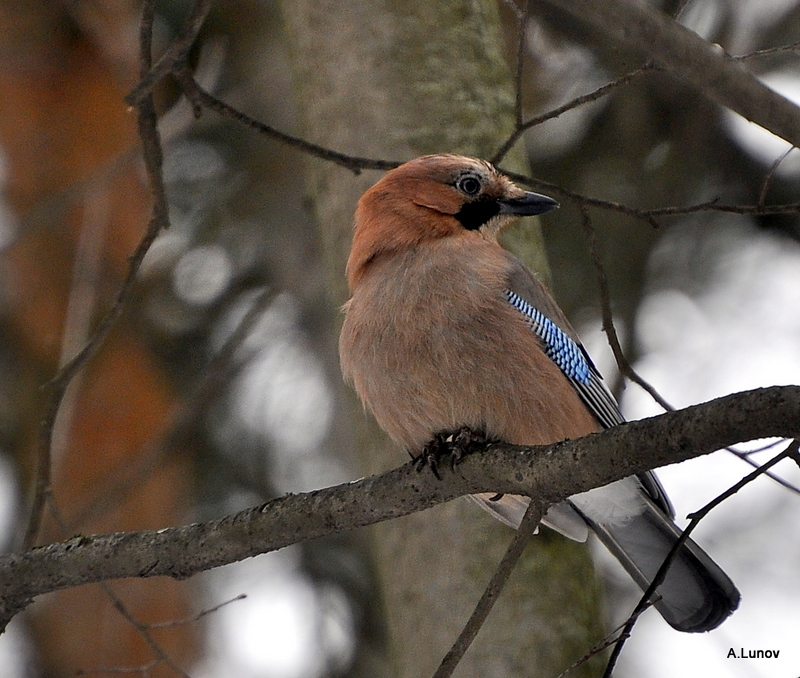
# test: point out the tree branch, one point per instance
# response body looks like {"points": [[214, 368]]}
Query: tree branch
{"points": [[688, 57], [547, 473]]}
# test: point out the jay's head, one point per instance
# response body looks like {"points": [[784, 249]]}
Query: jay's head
{"points": [[432, 197]]}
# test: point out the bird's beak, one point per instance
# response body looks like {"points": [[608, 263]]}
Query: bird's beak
{"points": [[528, 205]]}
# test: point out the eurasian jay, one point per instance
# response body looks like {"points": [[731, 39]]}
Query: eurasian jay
{"points": [[445, 330]]}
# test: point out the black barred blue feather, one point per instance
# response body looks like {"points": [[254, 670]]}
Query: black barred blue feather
{"points": [[557, 345], [573, 361]]}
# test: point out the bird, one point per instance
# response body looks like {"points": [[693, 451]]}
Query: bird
{"points": [[447, 331]]}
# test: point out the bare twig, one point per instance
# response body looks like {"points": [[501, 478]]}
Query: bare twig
{"points": [[201, 98], [175, 54], [716, 206], [153, 158], [762, 195], [649, 215], [783, 49], [144, 629], [524, 532], [160, 656], [610, 640], [608, 318], [695, 518], [600, 92], [745, 457], [196, 617]]}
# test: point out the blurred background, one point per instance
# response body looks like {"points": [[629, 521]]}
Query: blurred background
{"points": [[159, 430]]}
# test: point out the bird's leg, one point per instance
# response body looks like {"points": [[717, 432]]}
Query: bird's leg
{"points": [[462, 442], [452, 445], [430, 454]]}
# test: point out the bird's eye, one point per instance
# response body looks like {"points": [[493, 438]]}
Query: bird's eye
{"points": [[468, 185]]}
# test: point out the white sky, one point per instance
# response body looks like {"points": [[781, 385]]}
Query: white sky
{"points": [[743, 332]]}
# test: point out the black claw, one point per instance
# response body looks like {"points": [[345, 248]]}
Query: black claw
{"points": [[453, 446]]}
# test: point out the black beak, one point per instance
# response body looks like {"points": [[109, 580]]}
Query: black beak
{"points": [[527, 205]]}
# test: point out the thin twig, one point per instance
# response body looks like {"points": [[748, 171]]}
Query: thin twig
{"points": [[153, 158], [762, 196], [493, 589], [600, 92], [614, 637], [716, 206], [694, 521], [745, 457], [161, 656], [649, 215], [579, 198], [792, 47], [200, 97], [196, 617], [608, 318], [175, 54]]}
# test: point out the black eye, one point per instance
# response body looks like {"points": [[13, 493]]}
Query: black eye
{"points": [[468, 185]]}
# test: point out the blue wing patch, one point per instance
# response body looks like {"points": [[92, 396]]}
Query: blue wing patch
{"points": [[578, 367], [573, 361], [562, 350]]}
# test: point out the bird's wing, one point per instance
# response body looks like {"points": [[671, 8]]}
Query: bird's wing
{"points": [[561, 344], [632, 516], [572, 359]]}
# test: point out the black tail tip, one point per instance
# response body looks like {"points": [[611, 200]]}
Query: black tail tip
{"points": [[720, 604]]}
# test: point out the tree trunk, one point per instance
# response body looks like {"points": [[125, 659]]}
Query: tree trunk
{"points": [[394, 80]]}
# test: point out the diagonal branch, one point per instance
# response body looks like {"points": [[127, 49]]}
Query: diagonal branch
{"points": [[594, 95], [200, 99], [516, 548], [546, 473], [686, 56]]}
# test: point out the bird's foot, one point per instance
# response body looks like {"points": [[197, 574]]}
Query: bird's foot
{"points": [[450, 446]]}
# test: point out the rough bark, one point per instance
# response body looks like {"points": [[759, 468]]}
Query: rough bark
{"points": [[548, 473]]}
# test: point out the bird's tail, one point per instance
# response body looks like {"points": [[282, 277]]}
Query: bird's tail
{"points": [[696, 595]]}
